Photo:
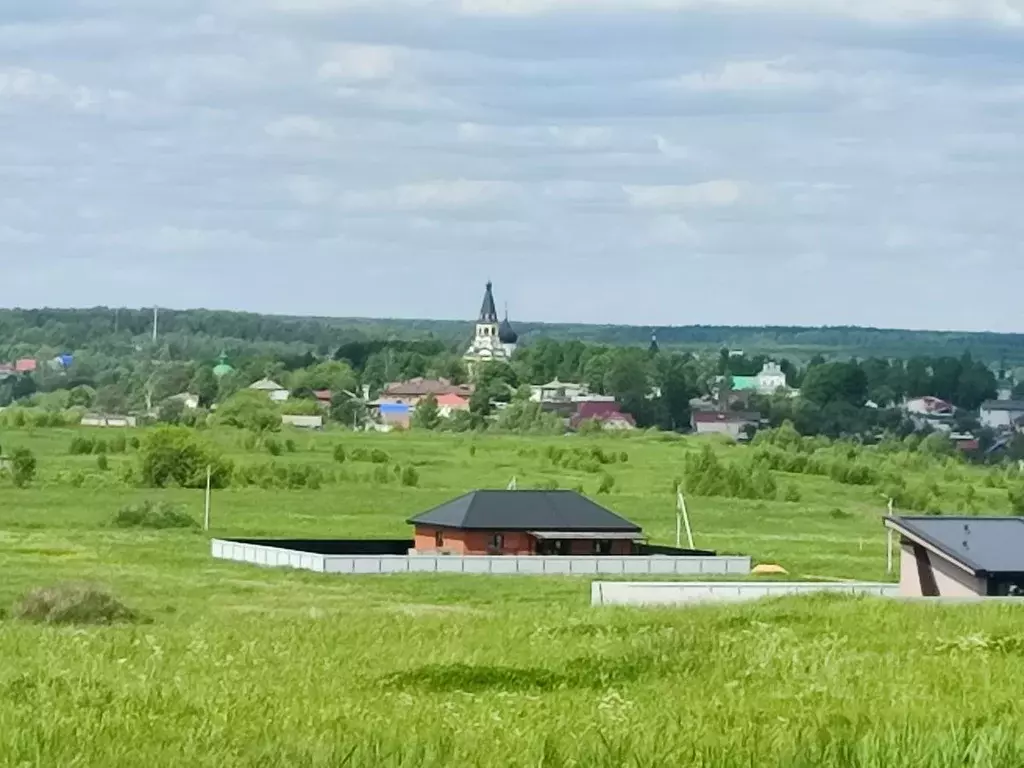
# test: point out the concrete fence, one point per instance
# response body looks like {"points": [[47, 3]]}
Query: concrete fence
{"points": [[270, 556], [689, 592]]}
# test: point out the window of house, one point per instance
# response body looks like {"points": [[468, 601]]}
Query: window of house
{"points": [[497, 541], [439, 539]]}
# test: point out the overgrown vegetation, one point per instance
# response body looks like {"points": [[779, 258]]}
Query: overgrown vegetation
{"points": [[157, 515], [72, 604]]}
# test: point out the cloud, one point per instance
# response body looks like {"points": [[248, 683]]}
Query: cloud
{"points": [[299, 127], [441, 195], [717, 193], [360, 63]]}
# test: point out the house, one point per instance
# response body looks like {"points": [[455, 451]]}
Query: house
{"points": [[524, 523], [324, 397], [960, 556], [108, 420], [557, 391], [1001, 414], [928, 406], [394, 415], [302, 421], [449, 403], [607, 414], [769, 381], [274, 391], [6, 370], [189, 401], [965, 441], [736, 424], [411, 392], [26, 365]]}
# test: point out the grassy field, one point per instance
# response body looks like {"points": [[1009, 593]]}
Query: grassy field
{"points": [[238, 666]]}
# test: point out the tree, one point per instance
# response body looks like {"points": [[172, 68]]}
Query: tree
{"points": [[81, 396], [23, 467], [426, 415], [333, 375], [252, 410], [835, 382], [176, 456], [171, 412], [347, 410], [205, 386]]}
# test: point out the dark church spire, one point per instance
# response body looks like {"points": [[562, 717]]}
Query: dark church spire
{"points": [[488, 312]]}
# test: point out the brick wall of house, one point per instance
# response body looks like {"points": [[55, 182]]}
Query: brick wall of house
{"points": [[514, 543]]}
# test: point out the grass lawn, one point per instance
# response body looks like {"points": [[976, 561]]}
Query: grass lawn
{"points": [[240, 666]]}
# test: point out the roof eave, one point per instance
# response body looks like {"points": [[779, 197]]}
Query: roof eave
{"points": [[964, 564]]}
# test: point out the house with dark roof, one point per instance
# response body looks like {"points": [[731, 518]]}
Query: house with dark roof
{"points": [[960, 556], [605, 413], [524, 523]]}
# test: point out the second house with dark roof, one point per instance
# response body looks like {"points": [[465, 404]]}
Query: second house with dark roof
{"points": [[524, 523]]}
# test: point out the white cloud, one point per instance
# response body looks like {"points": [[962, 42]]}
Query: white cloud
{"points": [[748, 75], [19, 83], [442, 194], [360, 63], [299, 127], [720, 192]]}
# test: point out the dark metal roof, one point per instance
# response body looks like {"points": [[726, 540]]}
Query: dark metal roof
{"points": [[1003, 405], [506, 333], [488, 312], [524, 511], [982, 545]]}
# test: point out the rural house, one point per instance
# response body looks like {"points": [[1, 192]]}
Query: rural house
{"points": [[736, 424], [607, 414], [274, 391], [524, 523], [960, 556], [1001, 414], [413, 391]]}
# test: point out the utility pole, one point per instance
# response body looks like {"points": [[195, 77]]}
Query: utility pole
{"points": [[156, 315]]}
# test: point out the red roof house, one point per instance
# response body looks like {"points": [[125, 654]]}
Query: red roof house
{"points": [[605, 413], [26, 365], [323, 396], [450, 402]]}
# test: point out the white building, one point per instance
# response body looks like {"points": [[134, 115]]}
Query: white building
{"points": [[302, 421], [493, 340], [1001, 414], [274, 391]]}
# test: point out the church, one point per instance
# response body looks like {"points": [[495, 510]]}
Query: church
{"points": [[494, 339]]}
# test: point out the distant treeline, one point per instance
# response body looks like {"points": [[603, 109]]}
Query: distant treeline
{"points": [[200, 334]]}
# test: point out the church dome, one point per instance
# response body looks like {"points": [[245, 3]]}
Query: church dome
{"points": [[506, 333], [222, 368]]}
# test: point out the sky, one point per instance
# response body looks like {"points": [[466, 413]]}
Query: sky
{"points": [[648, 162]]}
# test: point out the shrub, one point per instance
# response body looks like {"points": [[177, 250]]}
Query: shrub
{"points": [[252, 410], [607, 483], [840, 514], [377, 456], [118, 444], [100, 446], [273, 447], [623, 457], [289, 445], [381, 475], [792, 494], [1016, 496], [339, 454], [472, 450], [135, 443], [23, 467], [410, 477], [81, 445], [157, 515], [102, 462], [547, 484], [73, 604], [175, 456]]}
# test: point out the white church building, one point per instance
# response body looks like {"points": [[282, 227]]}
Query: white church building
{"points": [[494, 340]]}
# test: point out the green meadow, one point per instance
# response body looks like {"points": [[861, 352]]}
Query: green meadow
{"points": [[232, 665]]}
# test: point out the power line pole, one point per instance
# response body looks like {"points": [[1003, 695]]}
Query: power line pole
{"points": [[156, 314]]}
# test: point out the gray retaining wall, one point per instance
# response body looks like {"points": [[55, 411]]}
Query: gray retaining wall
{"points": [[259, 554]]}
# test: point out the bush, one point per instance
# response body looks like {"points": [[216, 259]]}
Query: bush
{"points": [[410, 477], [23, 467], [607, 484], [273, 447], [118, 444], [1016, 496], [102, 462], [73, 604], [156, 515], [100, 446], [339, 454], [792, 494], [175, 456], [81, 446], [623, 457], [289, 445], [377, 456]]}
